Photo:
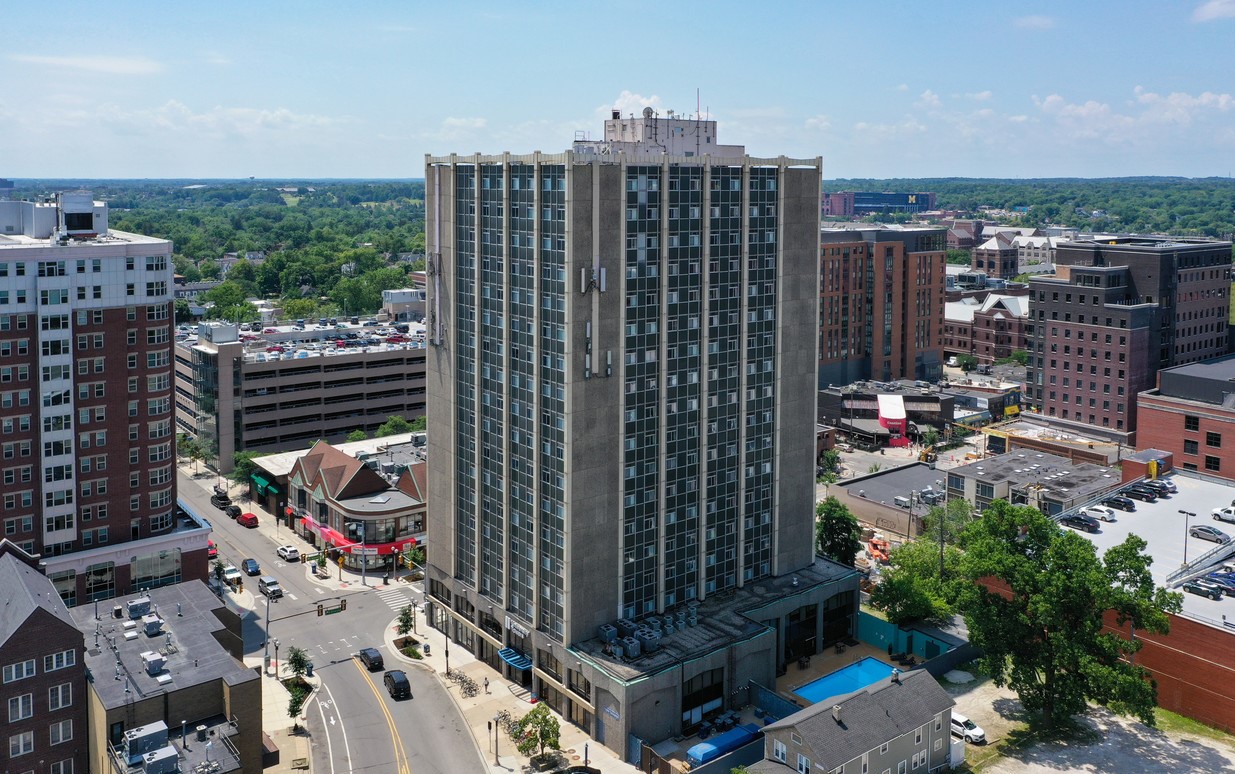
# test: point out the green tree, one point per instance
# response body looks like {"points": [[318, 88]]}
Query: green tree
{"points": [[1043, 634], [967, 362], [537, 731], [357, 435], [299, 308], [297, 661], [958, 257], [838, 536], [243, 466], [911, 589], [830, 461], [1020, 357], [394, 425], [943, 524], [218, 570], [297, 694], [405, 622], [419, 424], [182, 311]]}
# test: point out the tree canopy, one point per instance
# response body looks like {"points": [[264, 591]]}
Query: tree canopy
{"points": [[1034, 596], [838, 536]]}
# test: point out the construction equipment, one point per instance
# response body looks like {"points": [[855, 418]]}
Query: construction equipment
{"points": [[928, 454]]}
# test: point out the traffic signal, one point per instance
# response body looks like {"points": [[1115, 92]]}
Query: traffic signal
{"points": [[304, 558], [321, 610], [343, 604]]}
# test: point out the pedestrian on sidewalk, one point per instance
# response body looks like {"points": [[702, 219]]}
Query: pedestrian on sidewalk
{"points": [[486, 685]]}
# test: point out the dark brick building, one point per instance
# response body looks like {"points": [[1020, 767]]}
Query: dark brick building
{"points": [[1115, 312], [881, 302], [44, 673]]}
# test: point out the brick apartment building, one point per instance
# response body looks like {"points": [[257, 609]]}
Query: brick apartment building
{"points": [[1191, 414], [1113, 314], [44, 682], [881, 299], [87, 449], [990, 330]]}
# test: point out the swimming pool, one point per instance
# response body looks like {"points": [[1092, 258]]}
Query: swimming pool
{"points": [[852, 678]]}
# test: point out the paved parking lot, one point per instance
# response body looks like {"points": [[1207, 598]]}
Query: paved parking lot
{"points": [[1165, 529]]}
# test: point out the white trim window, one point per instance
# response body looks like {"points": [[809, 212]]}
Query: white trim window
{"points": [[803, 764], [21, 744], [61, 731], [779, 751], [19, 671], [60, 696], [61, 660], [21, 707]]}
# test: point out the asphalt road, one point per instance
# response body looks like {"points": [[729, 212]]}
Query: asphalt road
{"points": [[354, 724]]}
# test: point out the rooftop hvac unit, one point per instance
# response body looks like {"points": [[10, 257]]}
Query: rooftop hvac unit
{"points": [[681, 616], [654, 623], [632, 647], [607, 632], [143, 739], [668, 628], [153, 662], [139, 607], [626, 627], [152, 624], [648, 640], [692, 620], [164, 760]]}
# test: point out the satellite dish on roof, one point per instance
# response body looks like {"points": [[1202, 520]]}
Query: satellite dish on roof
{"points": [[647, 112]]}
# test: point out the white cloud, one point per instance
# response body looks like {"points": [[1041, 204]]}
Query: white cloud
{"points": [[819, 123], [978, 96], [452, 122], [110, 65], [1180, 107], [629, 102], [1035, 22], [929, 100], [1213, 10]]}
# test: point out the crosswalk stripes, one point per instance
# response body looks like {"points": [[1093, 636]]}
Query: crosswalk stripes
{"points": [[395, 599]]}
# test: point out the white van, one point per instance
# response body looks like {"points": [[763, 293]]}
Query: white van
{"points": [[967, 729]]}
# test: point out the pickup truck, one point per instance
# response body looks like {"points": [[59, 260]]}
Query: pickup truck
{"points": [[232, 576]]}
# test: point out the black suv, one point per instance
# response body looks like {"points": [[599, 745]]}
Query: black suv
{"points": [[372, 659], [1081, 522], [220, 501], [1142, 494], [1161, 489], [232, 511], [1119, 503], [396, 682]]}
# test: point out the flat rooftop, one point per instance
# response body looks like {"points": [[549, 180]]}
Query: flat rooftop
{"points": [[886, 485], [1057, 474], [722, 620], [1021, 428], [403, 448], [112, 237], [189, 640]]}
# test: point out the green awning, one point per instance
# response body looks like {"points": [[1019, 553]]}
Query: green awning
{"points": [[274, 489], [261, 483]]}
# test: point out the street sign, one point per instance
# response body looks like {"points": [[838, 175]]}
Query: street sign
{"points": [[366, 551]]}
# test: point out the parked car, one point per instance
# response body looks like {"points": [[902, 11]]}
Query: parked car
{"points": [[1169, 484], [1206, 532], [1099, 512], [1203, 589], [232, 511], [372, 659], [1225, 514], [967, 729], [288, 553], [1224, 581], [232, 576], [212, 551], [1144, 495], [396, 682], [1120, 503], [1080, 521], [247, 520], [251, 567], [220, 501], [1157, 486]]}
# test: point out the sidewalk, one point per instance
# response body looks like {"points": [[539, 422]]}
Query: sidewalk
{"points": [[477, 712]]}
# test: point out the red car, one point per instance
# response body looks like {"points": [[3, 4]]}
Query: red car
{"points": [[212, 551], [247, 520]]}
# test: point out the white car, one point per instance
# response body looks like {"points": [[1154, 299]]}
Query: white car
{"points": [[1225, 514], [1100, 512], [232, 576], [288, 553], [967, 729]]}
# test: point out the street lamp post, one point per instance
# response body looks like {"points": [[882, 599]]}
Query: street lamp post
{"points": [[1187, 517], [276, 658], [496, 733], [266, 652]]}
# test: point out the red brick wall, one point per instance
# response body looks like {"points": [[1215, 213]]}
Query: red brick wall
{"points": [[1161, 426], [1194, 666]]}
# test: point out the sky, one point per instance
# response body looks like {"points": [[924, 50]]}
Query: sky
{"points": [[364, 89]]}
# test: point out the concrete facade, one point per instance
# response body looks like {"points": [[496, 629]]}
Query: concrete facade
{"points": [[234, 395], [619, 337], [881, 301]]}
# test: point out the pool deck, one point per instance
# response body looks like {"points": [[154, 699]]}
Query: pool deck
{"points": [[820, 665]]}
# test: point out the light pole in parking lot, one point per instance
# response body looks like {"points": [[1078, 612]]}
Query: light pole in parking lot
{"points": [[1187, 517]]}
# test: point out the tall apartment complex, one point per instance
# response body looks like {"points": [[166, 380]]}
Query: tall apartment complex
{"points": [[1115, 312], [87, 449], [881, 302], [621, 345]]}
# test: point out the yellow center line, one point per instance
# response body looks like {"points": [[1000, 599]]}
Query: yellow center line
{"points": [[400, 753]]}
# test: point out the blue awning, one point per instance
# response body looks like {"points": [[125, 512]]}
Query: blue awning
{"points": [[515, 658]]}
